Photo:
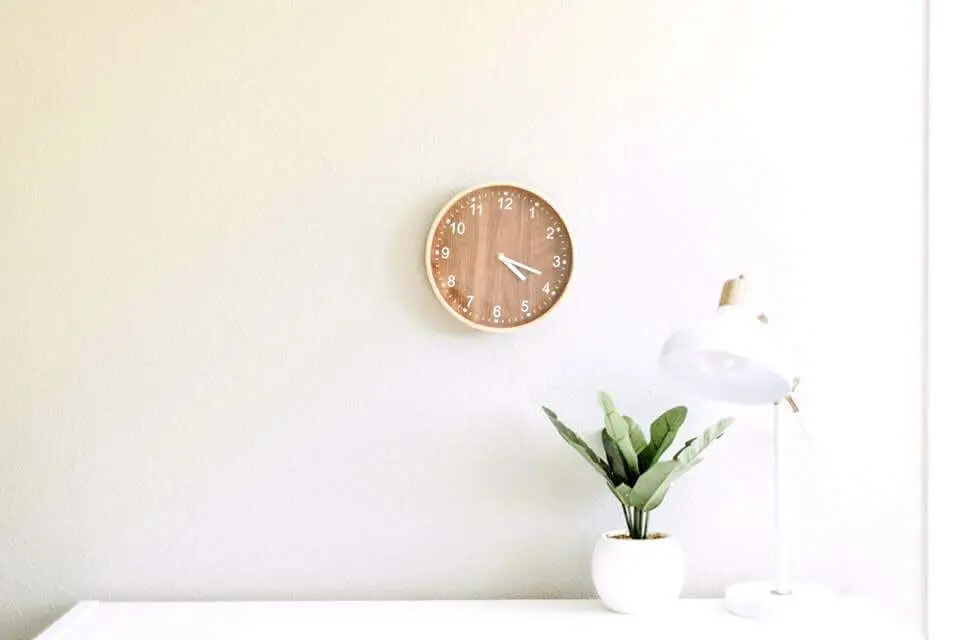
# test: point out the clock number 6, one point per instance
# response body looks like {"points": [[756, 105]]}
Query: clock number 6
{"points": [[497, 311]]}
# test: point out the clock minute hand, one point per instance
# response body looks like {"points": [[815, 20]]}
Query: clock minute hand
{"points": [[523, 266], [506, 262]]}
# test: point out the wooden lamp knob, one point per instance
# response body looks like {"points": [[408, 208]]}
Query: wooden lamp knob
{"points": [[734, 292]]}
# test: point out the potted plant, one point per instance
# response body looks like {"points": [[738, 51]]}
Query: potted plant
{"points": [[634, 569]]}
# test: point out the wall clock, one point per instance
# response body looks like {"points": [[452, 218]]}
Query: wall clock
{"points": [[499, 257]]}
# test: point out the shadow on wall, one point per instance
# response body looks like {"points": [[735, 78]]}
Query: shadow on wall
{"points": [[28, 623]]}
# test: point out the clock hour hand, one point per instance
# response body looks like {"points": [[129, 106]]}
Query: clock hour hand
{"points": [[506, 262], [510, 262]]}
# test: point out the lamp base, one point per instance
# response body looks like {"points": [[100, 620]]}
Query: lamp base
{"points": [[759, 601]]}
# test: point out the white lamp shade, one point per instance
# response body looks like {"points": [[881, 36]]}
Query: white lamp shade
{"points": [[730, 357]]}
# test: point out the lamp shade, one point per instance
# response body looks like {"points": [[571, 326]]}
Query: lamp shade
{"points": [[732, 356]]}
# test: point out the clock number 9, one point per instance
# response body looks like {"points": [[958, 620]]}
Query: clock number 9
{"points": [[497, 311], [445, 253]]}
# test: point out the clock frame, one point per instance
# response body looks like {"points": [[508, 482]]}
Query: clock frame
{"points": [[499, 256]]}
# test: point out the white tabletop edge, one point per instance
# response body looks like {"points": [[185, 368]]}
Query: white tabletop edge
{"points": [[88, 619]]}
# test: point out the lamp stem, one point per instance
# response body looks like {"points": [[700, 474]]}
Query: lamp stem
{"points": [[780, 509]]}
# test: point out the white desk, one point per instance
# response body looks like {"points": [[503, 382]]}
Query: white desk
{"points": [[498, 619]]}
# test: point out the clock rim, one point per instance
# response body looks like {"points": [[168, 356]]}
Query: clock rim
{"points": [[429, 266]]}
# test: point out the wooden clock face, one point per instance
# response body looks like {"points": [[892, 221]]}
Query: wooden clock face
{"points": [[499, 257]]}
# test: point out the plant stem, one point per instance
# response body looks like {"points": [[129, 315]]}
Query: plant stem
{"points": [[626, 516]]}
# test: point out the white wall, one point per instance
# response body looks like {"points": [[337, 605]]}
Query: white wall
{"points": [[224, 374], [943, 260]]}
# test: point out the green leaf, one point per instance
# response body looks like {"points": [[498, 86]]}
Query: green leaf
{"points": [[686, 467], [637, 439], [615, 459], [688, 457], [618, 430], [694, 447], [606, 402], [661, 493], [654, 501], [621, 492], [648, 486], [615, 425], [662, 432], [577, 443]]}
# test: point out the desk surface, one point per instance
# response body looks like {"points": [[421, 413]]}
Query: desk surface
{"points": [[423, 620]]}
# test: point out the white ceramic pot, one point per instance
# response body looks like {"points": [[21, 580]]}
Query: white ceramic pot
{"points": [[635, 576]]}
